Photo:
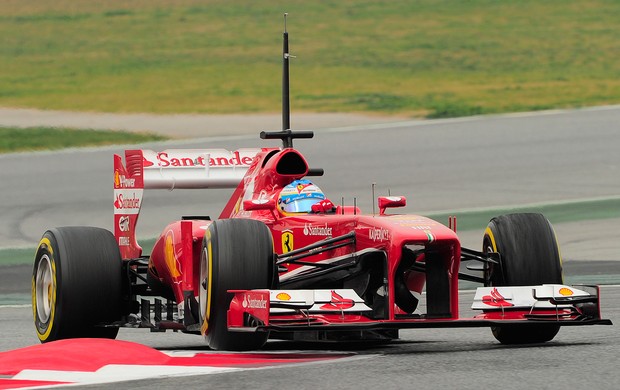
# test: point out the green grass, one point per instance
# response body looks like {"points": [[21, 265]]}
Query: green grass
{"points": [[556, 213], [420, 58], [50, 138], [19, 256]]}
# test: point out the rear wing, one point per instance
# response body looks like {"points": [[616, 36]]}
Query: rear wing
{"points": [[169, 169]]}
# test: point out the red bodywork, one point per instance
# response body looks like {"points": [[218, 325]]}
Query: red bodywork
{"points": [[257, 181]]}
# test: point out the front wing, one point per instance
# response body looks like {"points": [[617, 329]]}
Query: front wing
{"points": [[343, 309]]}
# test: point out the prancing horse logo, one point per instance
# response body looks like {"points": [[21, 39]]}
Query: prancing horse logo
{"points": [[287, 241]]}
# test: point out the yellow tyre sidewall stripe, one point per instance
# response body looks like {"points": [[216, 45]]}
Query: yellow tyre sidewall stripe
{"points": [[50, 324], [205, 322], [489, 233]]}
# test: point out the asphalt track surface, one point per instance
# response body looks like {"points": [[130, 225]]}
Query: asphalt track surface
{"points": [[578, 358], [493, 161], [489, 162]]}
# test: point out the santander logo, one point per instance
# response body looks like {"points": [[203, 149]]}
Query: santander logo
{"points": [[146, 163], [196, 159], [250, 303], [122, 203], [311, 230]]}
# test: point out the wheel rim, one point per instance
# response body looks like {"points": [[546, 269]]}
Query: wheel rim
{"points": [[204, 282], [44, 289]]}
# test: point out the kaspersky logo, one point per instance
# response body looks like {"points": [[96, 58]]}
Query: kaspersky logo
{"points": [[378, 234]]}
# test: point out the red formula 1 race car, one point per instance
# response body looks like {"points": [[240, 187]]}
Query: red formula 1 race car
{"points": [[282, 261]]}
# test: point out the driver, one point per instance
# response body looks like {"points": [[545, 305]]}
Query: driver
{"points": [[301, 196]]}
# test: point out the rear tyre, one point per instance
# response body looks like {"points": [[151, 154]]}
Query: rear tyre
{"points": [[529, 255], [76, 284], [237, 254]]}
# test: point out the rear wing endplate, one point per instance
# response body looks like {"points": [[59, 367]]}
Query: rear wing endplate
{"points": [[169, 169]]}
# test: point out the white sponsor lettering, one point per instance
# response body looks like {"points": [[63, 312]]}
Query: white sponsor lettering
{"points": [[125, 182], [123, 241], [378, 234], [250, 303], [311, 230]]}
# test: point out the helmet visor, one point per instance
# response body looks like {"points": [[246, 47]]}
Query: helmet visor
{"points": [[300, 205]]}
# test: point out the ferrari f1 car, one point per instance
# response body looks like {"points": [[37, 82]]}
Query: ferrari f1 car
{"points": [[283, 262]]}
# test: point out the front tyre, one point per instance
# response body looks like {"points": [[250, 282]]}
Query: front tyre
{"points": [[529, 255], [237, 254], [76, 284]]}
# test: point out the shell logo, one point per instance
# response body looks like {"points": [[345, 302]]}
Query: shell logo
{"points": [[283, 296], [566, 292]]}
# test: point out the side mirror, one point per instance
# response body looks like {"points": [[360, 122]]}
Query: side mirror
{"points": [[386, 202], [259, 204]]}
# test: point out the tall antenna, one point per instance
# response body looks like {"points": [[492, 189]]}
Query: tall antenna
{"points": [[286, 108], [287, 135]]}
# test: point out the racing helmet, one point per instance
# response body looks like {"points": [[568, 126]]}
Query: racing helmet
{"points": [[299, 196]]}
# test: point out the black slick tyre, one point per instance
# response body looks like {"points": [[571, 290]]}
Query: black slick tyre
{"points": [[237, 254], [529, 255], [76, 284]]}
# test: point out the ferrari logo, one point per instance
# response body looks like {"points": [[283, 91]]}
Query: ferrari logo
{"points": [[287, 241]]}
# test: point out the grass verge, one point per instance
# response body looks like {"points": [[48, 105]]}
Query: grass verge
{"points": [[556, 213], [437, 58], [51, 138]]}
